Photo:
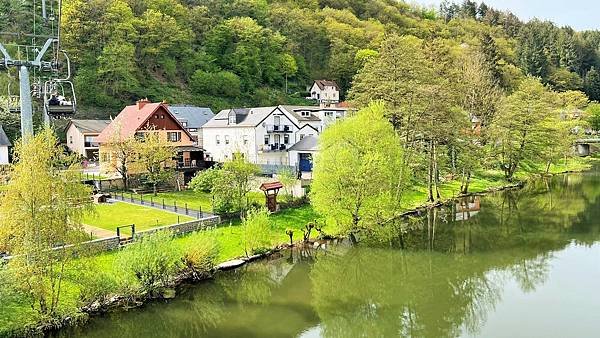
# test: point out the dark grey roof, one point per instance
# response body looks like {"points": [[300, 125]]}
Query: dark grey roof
{"points": [[308, 143], [90, 126], [4, 141], [195, 117]]}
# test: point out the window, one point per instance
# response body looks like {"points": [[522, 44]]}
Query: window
{"points": [[245, 139], [218, 139], [267, 139], [71, 139], [305, 113], [277, 139], [232, 119], [162, 116], [174, 136], [277, 120], [140, 136], [286, 139], [193, 130], [302, 136], [328, 113], [226, 139], [184, 124], [156, 116]]}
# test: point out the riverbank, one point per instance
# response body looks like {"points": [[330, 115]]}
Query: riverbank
{"points": [[16, 317]]}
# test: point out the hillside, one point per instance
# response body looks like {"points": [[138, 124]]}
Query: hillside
{"points": [[222, 54]]}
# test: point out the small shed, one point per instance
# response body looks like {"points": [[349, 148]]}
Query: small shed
{"points": [[271, 190]]}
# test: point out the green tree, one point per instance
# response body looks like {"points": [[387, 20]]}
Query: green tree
{"points": [[41, 209], [593, 113], [359, 174], [520, 129], [592, 84], [256, 235], [155, 155]]}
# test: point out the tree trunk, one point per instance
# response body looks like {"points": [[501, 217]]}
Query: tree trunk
{"points": [[436, 173], [465, 187], [154, 189], [430, 174], [548, 167]]}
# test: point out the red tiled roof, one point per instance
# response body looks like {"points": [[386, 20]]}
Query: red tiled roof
{"points": [[131, 119]]}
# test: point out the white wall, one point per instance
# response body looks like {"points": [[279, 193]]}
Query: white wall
{"points": [[329, 93], [4, 155], [275, 157], [75, 140], [223, 151]]}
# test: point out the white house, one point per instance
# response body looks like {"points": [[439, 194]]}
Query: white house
{"points": [[4, 145], [325, 92], [82, 134], [267, 135]]}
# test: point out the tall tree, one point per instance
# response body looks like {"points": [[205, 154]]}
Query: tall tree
{"points": [[359, 173], [520, 128], [41, 209], [155, 155]]}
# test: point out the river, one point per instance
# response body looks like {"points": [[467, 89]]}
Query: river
{"points": [[519, 263]]}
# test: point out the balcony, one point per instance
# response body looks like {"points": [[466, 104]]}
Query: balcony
{"points": [[190, 164], [91, 144], [274, 147], [279, 128]]}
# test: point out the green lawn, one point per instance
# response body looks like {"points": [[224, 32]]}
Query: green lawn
{"points": [[193, 199], [110, 216]]}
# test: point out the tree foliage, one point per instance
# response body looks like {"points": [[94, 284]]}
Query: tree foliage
{"points": [[41, 209], [359, 174]]}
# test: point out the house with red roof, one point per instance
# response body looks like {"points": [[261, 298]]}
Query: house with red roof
{"points": [[144, 117]]}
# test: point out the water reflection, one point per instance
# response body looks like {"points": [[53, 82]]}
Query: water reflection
{"points": [[468, 269]]}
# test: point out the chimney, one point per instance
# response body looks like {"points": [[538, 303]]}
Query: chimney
{"points": [[141, 103]]}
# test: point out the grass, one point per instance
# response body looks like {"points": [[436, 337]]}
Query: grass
{"points": [[194, 200], [15, 312], [110, 216]]}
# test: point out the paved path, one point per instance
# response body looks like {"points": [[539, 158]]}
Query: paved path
{"points": [[179, 210], [98, 232]]}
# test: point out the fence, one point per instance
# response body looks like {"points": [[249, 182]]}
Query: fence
{"points": [[160, 203]]}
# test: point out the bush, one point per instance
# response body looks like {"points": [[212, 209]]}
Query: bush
{"points": [[152, 261], [96, 285], [204, 181], [256, 231], [201, 258]]}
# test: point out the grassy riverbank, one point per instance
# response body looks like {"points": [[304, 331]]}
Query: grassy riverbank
{"points": [[15, 311]]}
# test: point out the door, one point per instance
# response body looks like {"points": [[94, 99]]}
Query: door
{"points": [[306, 162]]}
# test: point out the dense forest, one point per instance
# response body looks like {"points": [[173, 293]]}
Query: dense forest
{"points": [[221, 54]]}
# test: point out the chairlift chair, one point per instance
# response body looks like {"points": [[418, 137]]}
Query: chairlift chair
{"points": [[13, 102], [59, 108]]}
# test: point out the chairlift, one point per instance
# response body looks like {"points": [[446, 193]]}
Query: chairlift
{"points": [[59, 98]]}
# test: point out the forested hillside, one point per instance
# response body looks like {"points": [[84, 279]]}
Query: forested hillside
{"points": [[221, 53]]}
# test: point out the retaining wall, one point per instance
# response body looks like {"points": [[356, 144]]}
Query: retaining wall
{"points": [[184, 228]]}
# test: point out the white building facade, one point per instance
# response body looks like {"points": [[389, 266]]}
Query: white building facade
{"points": [[325, 91], [4, 145], [266, 135]]}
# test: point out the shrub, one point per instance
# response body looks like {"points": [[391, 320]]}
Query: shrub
{"points": [[201, 258], [256, 231], [96, 285], [204, 181], [152, 261]]}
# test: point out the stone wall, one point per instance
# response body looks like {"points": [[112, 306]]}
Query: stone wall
{"points": [[97, 245], [184, 228]]}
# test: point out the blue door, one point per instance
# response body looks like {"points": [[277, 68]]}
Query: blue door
{"points": [[306, 162]]}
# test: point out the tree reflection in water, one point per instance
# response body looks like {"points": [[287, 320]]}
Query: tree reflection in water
{"points": [[443, 275]]}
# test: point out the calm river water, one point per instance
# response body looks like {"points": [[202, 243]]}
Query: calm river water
{"points": [[522, 263]]}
